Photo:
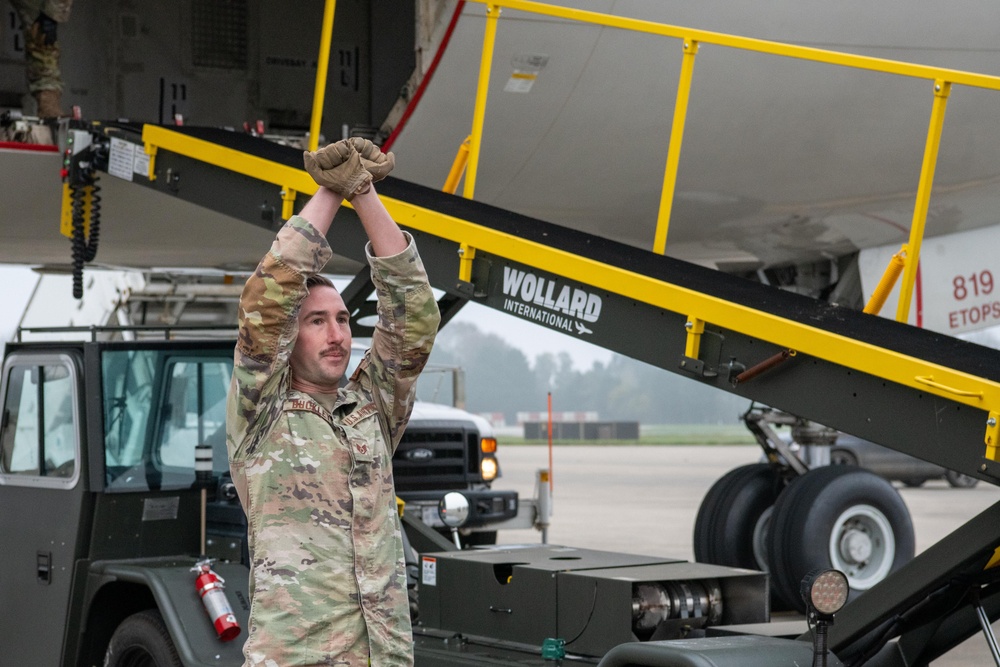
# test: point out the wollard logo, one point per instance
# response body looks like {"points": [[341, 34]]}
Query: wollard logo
{"points": [[554, 301]]}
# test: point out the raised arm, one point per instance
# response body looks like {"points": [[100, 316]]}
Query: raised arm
{"points": [[408, 314]]}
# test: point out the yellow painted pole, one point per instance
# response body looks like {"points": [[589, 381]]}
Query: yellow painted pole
{"points": [[489, 39], [674, 152], [457, 167], [889, 277], [322, 66], [941, 91]]}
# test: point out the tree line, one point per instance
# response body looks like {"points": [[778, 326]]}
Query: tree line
{"points": [[500, 378]]}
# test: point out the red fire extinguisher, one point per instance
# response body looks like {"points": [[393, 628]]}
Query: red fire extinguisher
{"points": [[211, 588]]}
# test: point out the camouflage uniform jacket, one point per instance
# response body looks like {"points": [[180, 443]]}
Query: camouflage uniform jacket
{"points": [[327, 579]]}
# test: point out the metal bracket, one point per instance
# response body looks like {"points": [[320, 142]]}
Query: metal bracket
{"points": [[690, 360], [695, 328], [992, 438], [466, 284], [150, 150], [769, 441], [691, 365]]}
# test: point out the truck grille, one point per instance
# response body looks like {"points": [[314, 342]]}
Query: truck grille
{"points": [[436, 456]]}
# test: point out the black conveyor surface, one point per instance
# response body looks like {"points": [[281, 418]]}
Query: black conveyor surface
{"points": [[941, 349]]}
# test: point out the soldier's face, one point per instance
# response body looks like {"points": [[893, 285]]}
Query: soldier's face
{"points": [[323, 347]]}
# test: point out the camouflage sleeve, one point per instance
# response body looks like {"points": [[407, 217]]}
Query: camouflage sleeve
{"points": [[408, 320], [268, 326]]}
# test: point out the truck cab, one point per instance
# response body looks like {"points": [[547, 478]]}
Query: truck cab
{"points": [[104, 516], [103, 506]]}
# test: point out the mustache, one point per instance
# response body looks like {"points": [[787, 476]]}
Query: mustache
{"points": [[336, 350]]}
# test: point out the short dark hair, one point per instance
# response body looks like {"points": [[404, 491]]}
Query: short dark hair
{"points": [[316, 280]]}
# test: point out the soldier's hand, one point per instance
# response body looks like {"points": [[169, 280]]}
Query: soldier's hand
{"points": [[377, 163], [338, 166]]}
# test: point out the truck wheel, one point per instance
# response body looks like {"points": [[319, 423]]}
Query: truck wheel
{"points": [[731, 525], [838, 517], [960, 481], [142, 640]]}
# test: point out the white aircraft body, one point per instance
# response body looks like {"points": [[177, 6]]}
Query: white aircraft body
{"points": [[788, 167]]}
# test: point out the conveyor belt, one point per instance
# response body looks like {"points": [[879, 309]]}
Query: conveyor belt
{"points": [[937, 348], [917, 391], [923, 393]]}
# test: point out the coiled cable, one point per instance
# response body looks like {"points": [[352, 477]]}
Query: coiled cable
{"points": [[84, 246]]}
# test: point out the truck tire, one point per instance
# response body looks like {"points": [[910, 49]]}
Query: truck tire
{"points": [[142, 640], [838, 517], [728, 529]]}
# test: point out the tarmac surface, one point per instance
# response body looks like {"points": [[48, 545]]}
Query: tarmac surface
{"points": [[643, 499]]}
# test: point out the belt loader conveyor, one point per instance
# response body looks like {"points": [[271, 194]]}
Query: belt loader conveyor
{"points": [[926, 394]]}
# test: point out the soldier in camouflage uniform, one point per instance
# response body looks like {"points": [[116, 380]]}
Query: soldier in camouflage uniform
{"points": [[41, 50], [312, 461]]}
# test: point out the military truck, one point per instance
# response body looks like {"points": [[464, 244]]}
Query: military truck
{"points": [[107, 523], [102, 507], [103, 519]]}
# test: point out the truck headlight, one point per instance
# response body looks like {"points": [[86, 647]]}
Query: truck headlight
{"points": [[488, 445], [489, 468]]}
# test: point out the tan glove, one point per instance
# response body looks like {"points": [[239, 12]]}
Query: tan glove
{"points": [[338, 166], [377, 163]]}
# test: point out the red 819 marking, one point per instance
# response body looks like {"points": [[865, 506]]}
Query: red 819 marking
{"points": [[976, 283]]}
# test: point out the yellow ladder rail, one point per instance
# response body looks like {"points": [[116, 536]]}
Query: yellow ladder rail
{"points": [[943, 79]]}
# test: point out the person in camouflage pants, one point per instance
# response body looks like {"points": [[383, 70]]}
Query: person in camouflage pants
{"points": [[311, 460], [39, 19]]}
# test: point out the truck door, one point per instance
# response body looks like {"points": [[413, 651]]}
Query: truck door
{"points": [[41, 503]]}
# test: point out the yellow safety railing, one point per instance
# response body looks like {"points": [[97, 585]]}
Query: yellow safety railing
{"points": [[322, 67], [691, 39]]}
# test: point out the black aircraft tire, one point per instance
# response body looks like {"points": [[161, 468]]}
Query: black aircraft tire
{"points": [[838, 517], [728, 516], [142, 640]]}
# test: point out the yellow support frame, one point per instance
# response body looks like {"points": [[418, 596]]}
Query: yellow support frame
{"points": [[457, 167], [695, 328], [482, 90], [466, 254], [674, 150], [322, 66], [289, 180], [751, 44], [942, 89], [858, 355], [943, 81], [909, 371]]}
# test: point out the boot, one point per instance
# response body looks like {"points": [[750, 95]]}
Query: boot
{"points": [[48, 103]]}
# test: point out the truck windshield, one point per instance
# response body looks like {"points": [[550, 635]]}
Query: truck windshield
{"points": [[158, 405]]}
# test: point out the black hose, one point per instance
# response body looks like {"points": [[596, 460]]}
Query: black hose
{"points": [[79, 249], [84, 249], [95, 221]]}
